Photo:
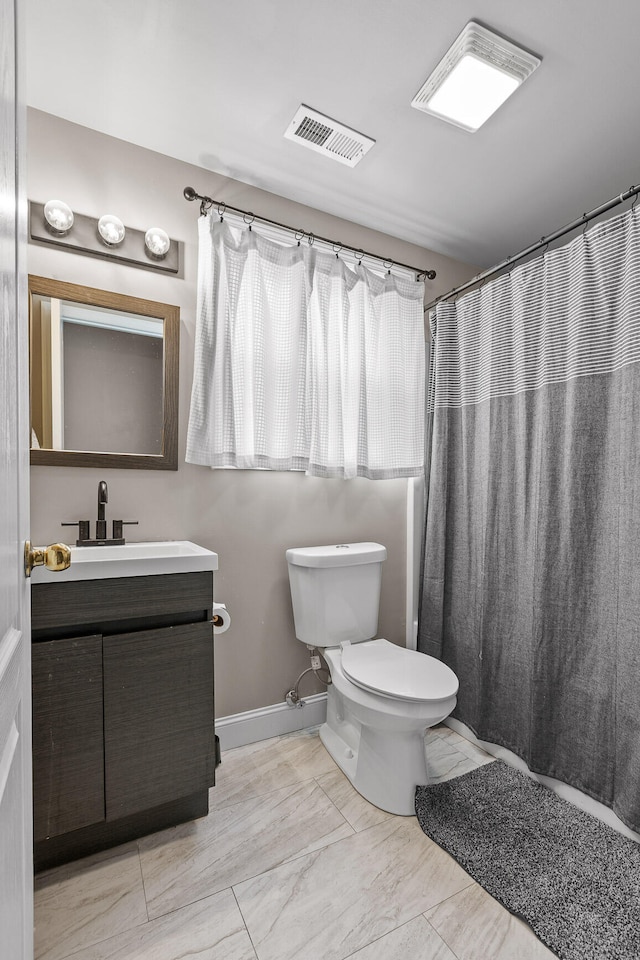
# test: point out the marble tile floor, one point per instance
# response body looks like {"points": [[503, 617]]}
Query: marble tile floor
{"points": [[290, 862]]}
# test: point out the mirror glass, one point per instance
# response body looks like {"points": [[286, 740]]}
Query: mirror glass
{"points": [[103, 378]]}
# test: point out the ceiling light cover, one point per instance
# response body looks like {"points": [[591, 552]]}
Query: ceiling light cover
{"points": [[111, 229], [157, 242], [476, 75], [58, 215], [324, 135]]}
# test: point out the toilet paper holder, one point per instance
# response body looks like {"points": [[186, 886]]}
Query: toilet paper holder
{"points": [[221, 618]]}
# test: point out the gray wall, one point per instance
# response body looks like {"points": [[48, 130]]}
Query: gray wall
{"points": [[248, 518]]}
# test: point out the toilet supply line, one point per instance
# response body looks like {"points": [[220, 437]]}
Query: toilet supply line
{"points": [[292, 696]]}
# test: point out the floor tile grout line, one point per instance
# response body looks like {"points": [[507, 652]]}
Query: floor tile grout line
{"points": [[276, 866], [310, 853], [162, 916], [144, 888], [190, 903], [318, 850], [451, 896], [344, 817], [354, 956], [94, 943], [242, 917], [386, 814], [441, 938], [293, 858], [258, 796], [100, 856], [331, 801], [472, 883], [262, 873], [299, 856]]}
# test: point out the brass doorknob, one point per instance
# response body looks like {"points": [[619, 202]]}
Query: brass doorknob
{"points": [[57, 556]]}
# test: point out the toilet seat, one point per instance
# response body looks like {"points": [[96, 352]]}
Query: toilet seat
{"points": [[392, 671]]}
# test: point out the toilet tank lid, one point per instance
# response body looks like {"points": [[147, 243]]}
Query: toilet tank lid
{"points": [[337, 555]]}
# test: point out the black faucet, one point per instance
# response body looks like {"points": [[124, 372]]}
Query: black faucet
{"points": [[101, 523], [84, 536]]}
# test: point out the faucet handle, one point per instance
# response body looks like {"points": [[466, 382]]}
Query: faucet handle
{"points": [[118, 525], [83, 526]]}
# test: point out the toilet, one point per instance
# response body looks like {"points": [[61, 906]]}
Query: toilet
{"points": [[382, 697]]}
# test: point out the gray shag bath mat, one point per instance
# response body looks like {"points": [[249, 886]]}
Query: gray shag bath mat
{"points": [[573, 879]]}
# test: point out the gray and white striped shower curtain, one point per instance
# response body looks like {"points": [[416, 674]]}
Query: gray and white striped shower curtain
{"points": [[531, 588]]}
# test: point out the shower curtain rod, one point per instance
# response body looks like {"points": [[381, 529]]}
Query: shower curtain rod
{"points": [[206, 203], [542, 242]]}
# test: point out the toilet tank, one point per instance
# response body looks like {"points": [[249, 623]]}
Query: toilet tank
{"points": [[335, 592]]}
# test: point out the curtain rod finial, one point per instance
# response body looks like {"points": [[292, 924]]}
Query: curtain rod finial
{"points": [[190, 194]]}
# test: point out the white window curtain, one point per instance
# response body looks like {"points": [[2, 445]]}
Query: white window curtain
{"points": [[302, 363]]}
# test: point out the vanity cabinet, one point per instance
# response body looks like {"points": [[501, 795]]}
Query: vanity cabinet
{"points": [[123, 721], [158, 716], [68, 755]]}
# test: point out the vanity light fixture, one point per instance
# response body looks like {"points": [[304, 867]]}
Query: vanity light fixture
{"points": [[59, 216], [107, 237], [476, 75], [111, 229], [157, 242]]}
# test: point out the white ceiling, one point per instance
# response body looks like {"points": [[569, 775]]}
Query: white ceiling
{"points": [[216, 82]]}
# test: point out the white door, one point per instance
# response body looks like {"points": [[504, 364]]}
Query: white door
{"points": [[16, 879]]}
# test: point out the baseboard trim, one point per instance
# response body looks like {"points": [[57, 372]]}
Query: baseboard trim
{"points": [[240, 728]]}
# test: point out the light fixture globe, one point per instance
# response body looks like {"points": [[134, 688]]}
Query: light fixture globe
{"points": [[111, 229], [157, 242], [58, 215]]}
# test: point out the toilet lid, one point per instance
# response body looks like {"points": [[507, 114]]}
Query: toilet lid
{"points": [[393, 671]]}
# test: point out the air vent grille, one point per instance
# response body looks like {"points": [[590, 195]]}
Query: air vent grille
{"points": [[324, 135], [313, 131]]}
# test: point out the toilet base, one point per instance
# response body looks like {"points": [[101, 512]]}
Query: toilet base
{"points": [[377, 741], [384, 766], [383, 769]]}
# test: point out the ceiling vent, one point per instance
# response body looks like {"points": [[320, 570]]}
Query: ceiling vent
{"points": [[324, 135], [477, 74]]}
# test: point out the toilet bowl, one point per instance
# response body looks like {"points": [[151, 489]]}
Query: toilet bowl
{"points": [[382, 698]]}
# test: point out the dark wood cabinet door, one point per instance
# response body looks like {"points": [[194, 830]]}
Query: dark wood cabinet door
{"points": [[158, 716], [68, 745]]}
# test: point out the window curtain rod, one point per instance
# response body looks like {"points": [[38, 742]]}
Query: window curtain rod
{"points": [[206, 203], [542, 242]]}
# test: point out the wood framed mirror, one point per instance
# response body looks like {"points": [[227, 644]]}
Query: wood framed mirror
{"points": [[103, 378]]}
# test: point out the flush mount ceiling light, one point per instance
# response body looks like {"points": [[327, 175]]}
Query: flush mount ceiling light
{"points": [[476, 75], [59, 216]]}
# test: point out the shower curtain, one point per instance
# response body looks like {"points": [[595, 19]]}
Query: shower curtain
{"points": [[531, 589]]}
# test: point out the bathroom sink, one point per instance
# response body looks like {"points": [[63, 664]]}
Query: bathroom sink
{"points": [[131, 560]]}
